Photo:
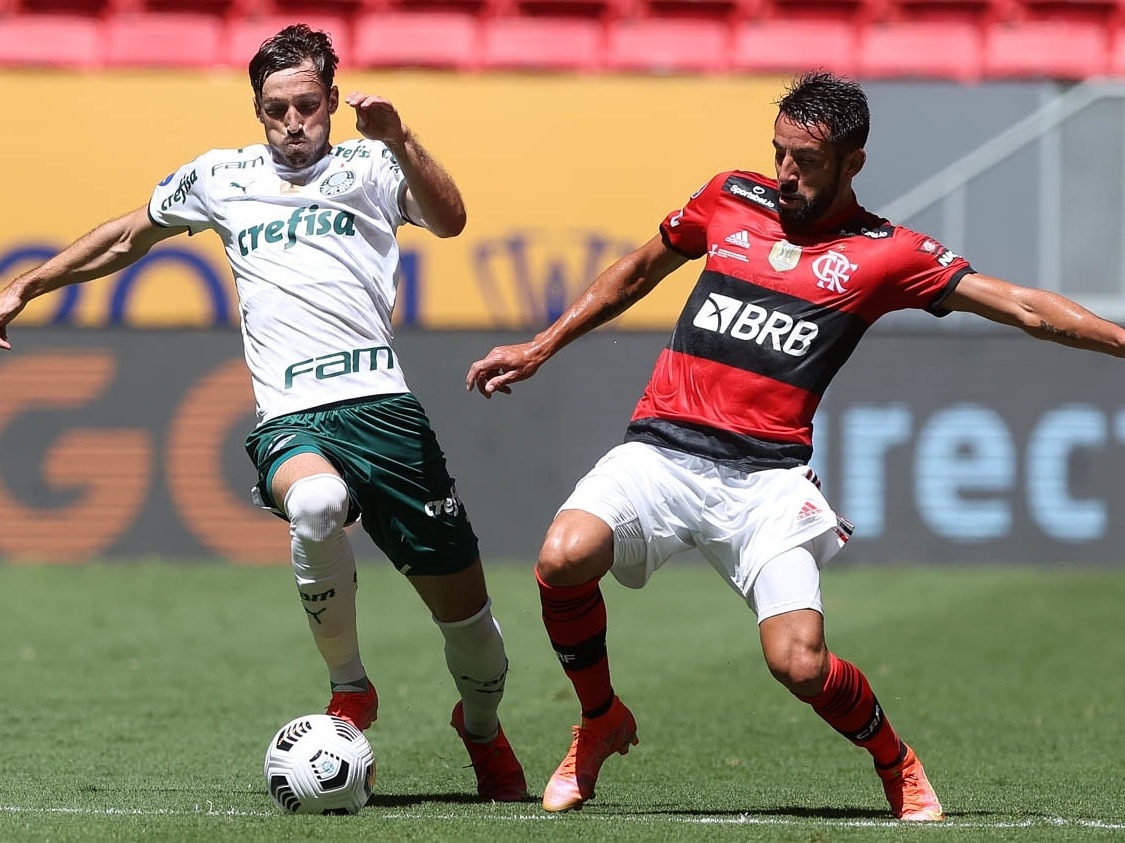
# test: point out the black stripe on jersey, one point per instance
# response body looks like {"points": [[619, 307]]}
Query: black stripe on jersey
{"points": [[782, 337], [751, 192], [746, 453]]}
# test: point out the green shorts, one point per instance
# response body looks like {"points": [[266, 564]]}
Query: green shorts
{"points": [[395, 472]]}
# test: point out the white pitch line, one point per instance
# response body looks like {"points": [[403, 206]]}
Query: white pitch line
{"points": [[741, 819]]}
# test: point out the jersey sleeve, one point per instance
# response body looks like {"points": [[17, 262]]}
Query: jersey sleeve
{"points": [[685, 230], [923, 273], [180, 199]]}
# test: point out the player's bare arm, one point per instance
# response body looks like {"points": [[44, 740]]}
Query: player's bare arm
{"points": [[1042, 314], [110, 247], [432, 198], [613, 292]]}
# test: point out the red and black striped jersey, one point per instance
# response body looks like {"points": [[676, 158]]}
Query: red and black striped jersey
{"points": [[773, 317]]}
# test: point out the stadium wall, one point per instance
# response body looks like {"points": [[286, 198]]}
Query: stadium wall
{"points": [[942, 449], [560, 173]]}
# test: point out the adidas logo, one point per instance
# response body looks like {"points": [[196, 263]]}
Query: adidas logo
{"points": [[808, 510], [739, 238]]}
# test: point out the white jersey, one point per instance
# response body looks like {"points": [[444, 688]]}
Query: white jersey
{"points": [[315, 266]]}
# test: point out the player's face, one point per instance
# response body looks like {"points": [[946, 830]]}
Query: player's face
{"points": [[814, 179], [297, 112]]}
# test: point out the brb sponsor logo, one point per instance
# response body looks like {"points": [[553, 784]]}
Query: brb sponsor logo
{"points": [[750, 322], [528, 277]]}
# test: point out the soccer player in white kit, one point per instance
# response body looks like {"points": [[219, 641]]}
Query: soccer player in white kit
{"points": [[309, 229]]}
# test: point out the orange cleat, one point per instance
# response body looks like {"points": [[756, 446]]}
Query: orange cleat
{"points": [[594, 741], [908, 790], [499, 774], [358, 708]]}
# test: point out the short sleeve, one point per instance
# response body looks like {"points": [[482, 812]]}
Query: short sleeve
{"points": [[180, 199], [924, 272], [685, 230]]}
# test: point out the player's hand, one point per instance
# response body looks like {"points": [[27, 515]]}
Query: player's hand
{"points": [[504, 366], [10, 307], [376, 118]]}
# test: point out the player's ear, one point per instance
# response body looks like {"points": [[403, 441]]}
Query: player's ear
{"points": [[333, 99], [854, 162], [258, 110]]}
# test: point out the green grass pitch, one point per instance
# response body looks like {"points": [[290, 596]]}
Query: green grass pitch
{"points": [[136, 702]]}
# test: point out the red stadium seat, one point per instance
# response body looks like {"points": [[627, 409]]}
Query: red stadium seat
{"points": [[163, 40], [978, 12], [534, 43], [921, 50], [602, 10], [245, 34], [423, 39], [50, 41], [794, 46], [1061, 49], [91, 8], [653, 45], [853, 12], [727, 10]]}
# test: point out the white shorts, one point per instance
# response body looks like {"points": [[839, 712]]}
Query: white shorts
{"points": [[660, 502]]}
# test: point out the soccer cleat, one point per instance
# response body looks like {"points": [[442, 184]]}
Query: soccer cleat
{"points": [[908, 790], [594, 741], [499, 774], [360, 708]]}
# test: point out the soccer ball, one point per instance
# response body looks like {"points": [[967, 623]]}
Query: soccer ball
{"points": [[319, 764]]}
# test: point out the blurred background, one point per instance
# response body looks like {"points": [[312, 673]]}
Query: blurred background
{"points": [[572, 127]]}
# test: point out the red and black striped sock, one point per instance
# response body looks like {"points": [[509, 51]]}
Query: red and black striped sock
{"points": [[575, 619], [849, 706]]}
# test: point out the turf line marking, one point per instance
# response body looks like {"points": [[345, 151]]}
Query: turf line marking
{"points": [[742, 819]]}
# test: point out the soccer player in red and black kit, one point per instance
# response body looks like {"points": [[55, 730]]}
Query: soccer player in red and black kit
{"points": [[716, 454]]}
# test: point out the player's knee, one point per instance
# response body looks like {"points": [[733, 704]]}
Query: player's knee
{"points": [[572, 557], [803, 670], [317, 508]]}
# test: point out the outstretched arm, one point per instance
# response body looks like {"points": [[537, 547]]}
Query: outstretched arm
{"points": [[611, 294], [111, 246], [432, 197], [1041, 313]]}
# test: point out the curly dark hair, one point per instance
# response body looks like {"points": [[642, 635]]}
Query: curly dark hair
{"points": [[835, 105], [289, 48]]}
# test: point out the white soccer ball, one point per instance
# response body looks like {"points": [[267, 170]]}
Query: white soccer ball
{"points": [[319, 764]]}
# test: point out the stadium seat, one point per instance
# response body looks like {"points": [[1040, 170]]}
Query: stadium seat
{"points": [[653, 45], [534, 43], [1064, 49], [245, 34], [90, 8], [72, 41], [424, 39], [853, 12], [163, 40], [981, 13], [481, 8], [794, 46], [726, 10], [936, 49], [600, 10]]}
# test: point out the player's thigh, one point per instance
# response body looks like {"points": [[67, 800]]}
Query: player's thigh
{"points": [[297, 467], [646, 500], [453, 597]]}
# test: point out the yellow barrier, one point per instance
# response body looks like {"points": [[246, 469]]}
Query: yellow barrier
{"points": [[561, 174]]}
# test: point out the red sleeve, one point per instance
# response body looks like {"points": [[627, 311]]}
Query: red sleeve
{"points": [[922, 273], [685, 230]]}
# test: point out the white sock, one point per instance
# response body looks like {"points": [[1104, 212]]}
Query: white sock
{"points": [[324, 566], [474, 653]]}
